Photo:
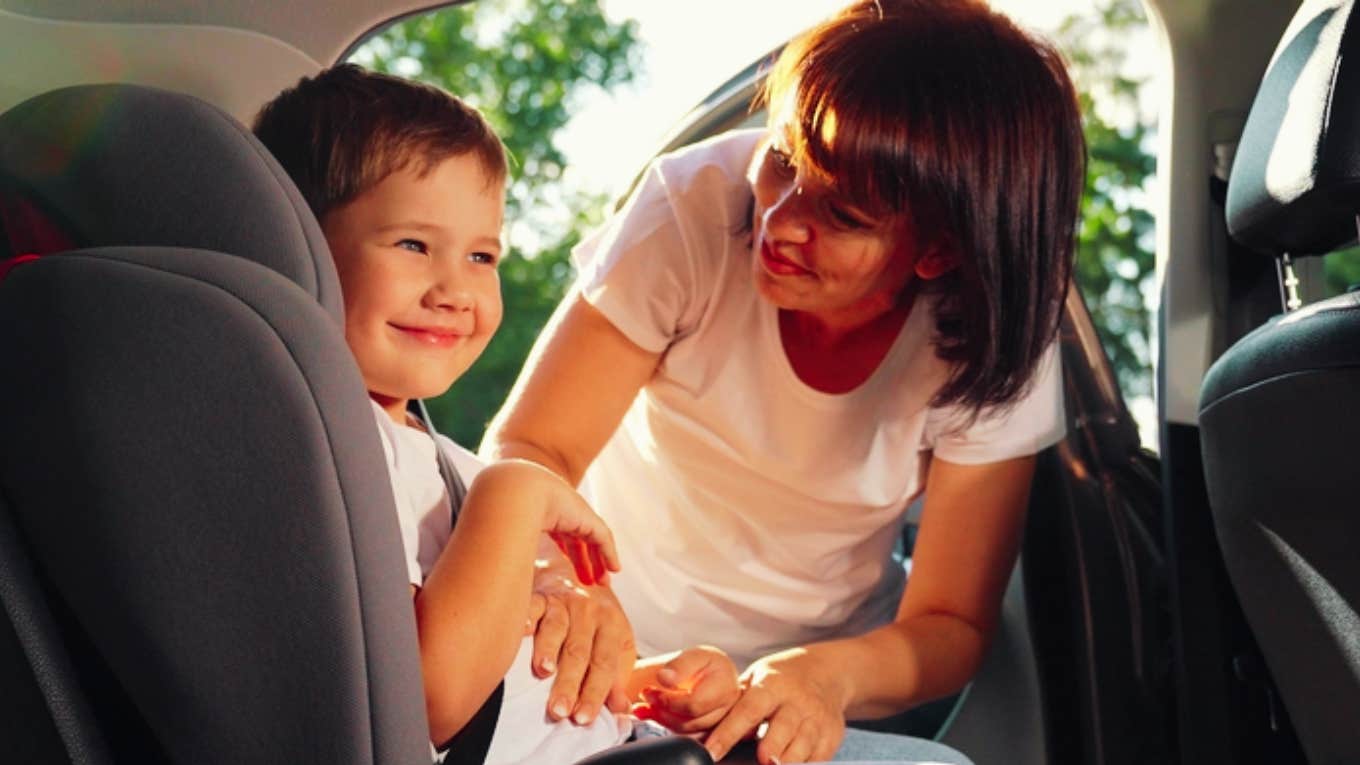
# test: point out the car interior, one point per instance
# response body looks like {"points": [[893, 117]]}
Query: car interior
{"points": [[171, 323]]}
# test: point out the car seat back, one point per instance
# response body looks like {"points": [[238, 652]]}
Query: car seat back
{"points": [[1280, 409], [200, 550]]}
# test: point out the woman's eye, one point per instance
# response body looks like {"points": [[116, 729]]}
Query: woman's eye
{"points": [[414, 245], [846, 219], [781, 159], [486, 258]]}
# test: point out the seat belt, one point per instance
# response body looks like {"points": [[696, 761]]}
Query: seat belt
{"points": [[469, 745], [452, 480]]}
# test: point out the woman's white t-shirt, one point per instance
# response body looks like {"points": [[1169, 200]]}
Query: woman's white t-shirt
{"points": [[523, 732], [752, 511]]}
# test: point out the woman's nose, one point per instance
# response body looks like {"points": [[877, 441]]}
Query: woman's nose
{"points": [[786, 219]]}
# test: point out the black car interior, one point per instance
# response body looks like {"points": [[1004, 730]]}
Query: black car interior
{"points": [[1278, 409]]}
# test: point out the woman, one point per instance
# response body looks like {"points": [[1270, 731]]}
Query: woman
{"points": [[787, 334]]}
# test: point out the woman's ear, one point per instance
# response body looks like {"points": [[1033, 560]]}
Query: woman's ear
{"points": [[936, 262]]}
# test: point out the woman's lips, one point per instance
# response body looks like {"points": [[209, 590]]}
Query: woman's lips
{"points": [[438, 337], [778, 264]]}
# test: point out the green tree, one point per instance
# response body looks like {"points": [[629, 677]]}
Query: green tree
{"points": [[526, 64], [1115, 257], [1342, 270]]}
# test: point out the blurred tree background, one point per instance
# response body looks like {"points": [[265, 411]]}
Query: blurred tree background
{"points": [[1115, 244], [525, 62]]}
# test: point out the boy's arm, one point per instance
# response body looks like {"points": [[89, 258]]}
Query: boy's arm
{"points": [[468, 637]]}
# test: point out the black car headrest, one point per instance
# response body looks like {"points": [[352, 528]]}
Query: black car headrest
{"points": [[1295, 184], [127, 165]]}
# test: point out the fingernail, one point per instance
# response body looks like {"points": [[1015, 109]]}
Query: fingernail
{"points": [[547, 665], [582, 717], [559, 709]]}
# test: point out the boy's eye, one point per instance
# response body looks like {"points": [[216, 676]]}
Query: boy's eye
{"points": [[486, 258], [414, 245]]}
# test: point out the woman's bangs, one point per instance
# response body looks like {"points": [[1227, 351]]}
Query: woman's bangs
{"points": [[845, 135]]}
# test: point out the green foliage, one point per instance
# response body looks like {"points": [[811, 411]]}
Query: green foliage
{"points": [[1115, 257], [1342, 270], [525, 64]]}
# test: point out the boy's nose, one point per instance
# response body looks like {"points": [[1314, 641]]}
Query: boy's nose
{"points": [[450, 294]]}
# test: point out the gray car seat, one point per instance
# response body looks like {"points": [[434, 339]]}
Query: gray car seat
{"points": [[199, 557], [1280, 410]]}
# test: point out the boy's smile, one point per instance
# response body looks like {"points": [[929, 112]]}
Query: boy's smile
{"points": [[417, 257]]}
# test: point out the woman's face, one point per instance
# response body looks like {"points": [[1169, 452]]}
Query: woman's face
{"points": [[816, 252]]}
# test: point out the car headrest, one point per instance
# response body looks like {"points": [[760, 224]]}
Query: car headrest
{"points": [[1295, 183], [127, 165]]}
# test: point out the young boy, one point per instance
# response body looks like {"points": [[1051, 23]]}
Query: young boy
{"points": [[408, 184]]}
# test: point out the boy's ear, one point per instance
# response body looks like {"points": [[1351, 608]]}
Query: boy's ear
{"points": [[936, 261]]}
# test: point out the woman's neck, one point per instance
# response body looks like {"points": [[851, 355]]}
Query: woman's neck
{"points": [[838, 354]]}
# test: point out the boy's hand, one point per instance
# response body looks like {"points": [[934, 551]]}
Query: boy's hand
{"points": [[578, 531], [694, 691]]}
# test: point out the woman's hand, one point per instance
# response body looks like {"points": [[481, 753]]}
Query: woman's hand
{"points": [[691, 692], [801, 700], [581, 633]]}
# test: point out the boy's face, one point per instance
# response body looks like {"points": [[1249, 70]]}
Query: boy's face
{"points": [[417, 261]]}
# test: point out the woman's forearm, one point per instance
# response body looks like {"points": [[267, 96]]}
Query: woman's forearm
{"points": [[502, 446], [902, 664]]}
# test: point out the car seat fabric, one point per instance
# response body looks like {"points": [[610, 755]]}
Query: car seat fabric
{"points": [[1280, 409], [188, 458], [1296, 172], [126, 165]]}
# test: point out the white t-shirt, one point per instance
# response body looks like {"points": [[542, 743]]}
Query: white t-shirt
{"points": [[750, 510], [523, 733]]}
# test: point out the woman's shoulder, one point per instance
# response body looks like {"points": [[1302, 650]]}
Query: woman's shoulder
{"points": [[712, 170]]}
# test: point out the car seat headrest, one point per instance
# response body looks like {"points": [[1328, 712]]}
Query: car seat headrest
{"points": [[127, 165], [1295, 183]]}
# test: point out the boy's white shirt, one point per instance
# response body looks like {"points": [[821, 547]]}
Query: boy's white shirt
{"points": [[523, 733]]}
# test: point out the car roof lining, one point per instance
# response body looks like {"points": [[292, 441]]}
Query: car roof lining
{"points": [[321, 29], [233, 55]]}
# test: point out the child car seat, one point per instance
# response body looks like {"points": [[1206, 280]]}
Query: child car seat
{"points": [[199, 556]]}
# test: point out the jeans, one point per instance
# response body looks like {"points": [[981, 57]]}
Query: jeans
{"points": [[869, 746]]}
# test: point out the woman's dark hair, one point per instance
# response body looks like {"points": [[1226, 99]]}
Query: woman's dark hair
{"points": [[950, 112], [340, 133]]}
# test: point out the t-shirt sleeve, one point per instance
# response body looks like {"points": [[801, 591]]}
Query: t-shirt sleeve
{"points": [[1033, 423], [638, 270]]}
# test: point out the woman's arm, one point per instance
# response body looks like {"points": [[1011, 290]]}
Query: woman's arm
{"points": [[970, 533], [580, 378]]}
